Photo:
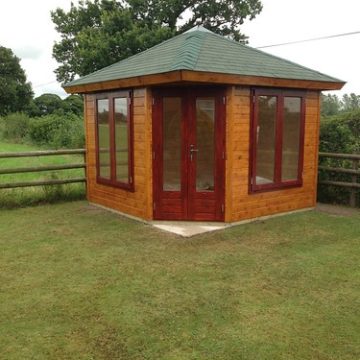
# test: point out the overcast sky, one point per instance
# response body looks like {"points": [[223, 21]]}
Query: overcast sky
{"points": [[26, 28]]}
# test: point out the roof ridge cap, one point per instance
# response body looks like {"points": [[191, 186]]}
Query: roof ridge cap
{"points": [[189, 51]]}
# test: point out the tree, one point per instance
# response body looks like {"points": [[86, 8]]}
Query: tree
{"points": [[15, 92], [330, 105], [98, 33], [73, 104], [46, 104], [351, 102]]}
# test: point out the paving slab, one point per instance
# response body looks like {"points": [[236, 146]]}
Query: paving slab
{"points": [[188, 228]]}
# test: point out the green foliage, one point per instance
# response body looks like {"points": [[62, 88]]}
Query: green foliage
{"points": [[21, 197], [97, 33], [339, 134], [351, 102], [15, 92], [24, 197], [73, 104], [47, 104], [352, 121], [54, 193], [331, 104], [15, 127], [58, 131], [335, 136]]}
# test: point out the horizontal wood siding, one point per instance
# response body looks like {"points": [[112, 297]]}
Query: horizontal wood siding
{"points": [[240, 204], [137, 203]]}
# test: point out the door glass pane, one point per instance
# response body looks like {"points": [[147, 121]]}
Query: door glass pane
{"points": [[291, 138], [265, 140], [205, 156], [172, 144], [121, 139], [104, 138]]}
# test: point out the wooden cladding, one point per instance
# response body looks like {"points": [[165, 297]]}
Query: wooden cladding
{"points": [[240, 202], [137, 202]]}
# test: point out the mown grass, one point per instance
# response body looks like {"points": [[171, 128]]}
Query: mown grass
{"points": [[10, 198], [81, 283]]}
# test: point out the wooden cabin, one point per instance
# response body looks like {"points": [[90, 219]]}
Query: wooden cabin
{"points": [[201, 127]]}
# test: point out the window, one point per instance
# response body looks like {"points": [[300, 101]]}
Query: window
{"points": [[278, 119], [114, 140]]}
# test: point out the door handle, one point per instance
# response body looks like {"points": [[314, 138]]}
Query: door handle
{"points": [[192, 151]]}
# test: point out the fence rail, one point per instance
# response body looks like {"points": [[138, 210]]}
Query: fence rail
{"points": [[19, 170], [354, 171]]}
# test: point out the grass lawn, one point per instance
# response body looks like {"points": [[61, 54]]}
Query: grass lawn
{"points": [[26, 196], [77, 282]]}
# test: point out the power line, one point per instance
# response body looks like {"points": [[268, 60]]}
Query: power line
{"points": [[263, 47], [48, 83], [312, 39]]}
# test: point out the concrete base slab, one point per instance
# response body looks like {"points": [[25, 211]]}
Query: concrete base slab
{"points": [[188, 228], [191, 228]]}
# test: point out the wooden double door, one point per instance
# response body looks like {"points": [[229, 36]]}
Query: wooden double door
{"points": [[189, 154]]}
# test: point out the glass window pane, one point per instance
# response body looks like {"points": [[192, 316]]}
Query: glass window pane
{"points": [[291, 138], [205, 155], [265, 139], [104, 138], [172, 144], [121, 139]]}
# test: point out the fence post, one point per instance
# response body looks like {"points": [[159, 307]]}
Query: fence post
{"points": [[353, 191], [85, 173]]}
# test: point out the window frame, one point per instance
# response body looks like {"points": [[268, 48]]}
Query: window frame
{"points": [[111, 96], [278, 183]]}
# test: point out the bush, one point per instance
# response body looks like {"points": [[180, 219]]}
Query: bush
{"points": [[341, 133], [15, 127], [58, 131], [53, 192], [338, 134]]}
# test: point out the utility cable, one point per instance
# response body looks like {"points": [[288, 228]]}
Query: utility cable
{"points": [[308, 40]]}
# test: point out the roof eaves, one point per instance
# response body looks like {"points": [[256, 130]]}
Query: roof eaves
{"points": [[79, 81]]}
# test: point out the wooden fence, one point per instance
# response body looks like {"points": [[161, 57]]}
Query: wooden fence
{"points": [[19, 170], [353, 170]]}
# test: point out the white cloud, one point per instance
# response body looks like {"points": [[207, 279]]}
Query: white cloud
{"points": [[26, 28], [284, 21], [28, 52]]}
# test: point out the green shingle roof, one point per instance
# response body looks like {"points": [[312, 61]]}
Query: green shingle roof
{"points": [[202, 50]]}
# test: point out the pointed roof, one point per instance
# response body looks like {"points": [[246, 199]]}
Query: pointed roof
{"points": [[200, 50]]}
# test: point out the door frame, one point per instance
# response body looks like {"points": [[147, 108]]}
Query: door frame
{"points": [[189, 95]]}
